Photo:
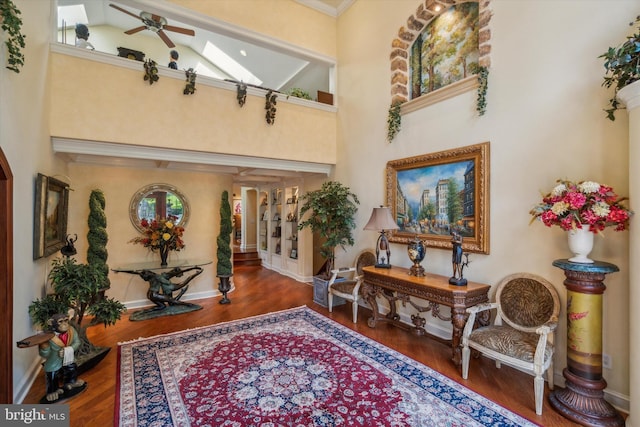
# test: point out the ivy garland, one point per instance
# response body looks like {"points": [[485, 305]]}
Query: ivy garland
{"points": [[394, 121], [11, 24], [270, 106], [241, 94], [151, 71], [483, 75], [190, 87]]}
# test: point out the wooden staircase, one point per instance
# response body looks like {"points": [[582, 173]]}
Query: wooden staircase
{"points": [[246, 257]]}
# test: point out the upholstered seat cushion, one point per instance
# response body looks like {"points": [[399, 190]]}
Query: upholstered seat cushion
{"points": [[508, 341], [344, 286]]}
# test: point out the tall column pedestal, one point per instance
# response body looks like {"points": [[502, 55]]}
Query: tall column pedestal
{"points": [[582, 400]]}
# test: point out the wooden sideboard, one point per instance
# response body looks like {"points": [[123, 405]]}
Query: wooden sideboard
{"points": [[395, 284]]}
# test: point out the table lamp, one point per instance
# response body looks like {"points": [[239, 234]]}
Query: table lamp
{"points": [[381, 220]]}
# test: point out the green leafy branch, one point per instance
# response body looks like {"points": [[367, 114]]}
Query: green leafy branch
{"points": [[394, 120], [483, 82], [622, 65], [150, 71], [11, 24]]}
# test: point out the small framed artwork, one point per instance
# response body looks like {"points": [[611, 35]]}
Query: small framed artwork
{"points": [[237, 206], [434, 194], [294, 254], [50, 216]]}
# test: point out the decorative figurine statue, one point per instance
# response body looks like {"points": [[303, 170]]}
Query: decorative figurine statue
{"points": [[60, 364], [456, 260]]}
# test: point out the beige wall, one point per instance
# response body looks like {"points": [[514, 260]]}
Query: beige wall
{"points": [[24, 137], [544, 121], [202, 191], [94, 101], [285, 20]]}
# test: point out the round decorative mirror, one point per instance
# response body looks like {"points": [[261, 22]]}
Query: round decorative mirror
{"points": [[157, 201]]}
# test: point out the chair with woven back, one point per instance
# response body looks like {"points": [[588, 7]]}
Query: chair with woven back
{"points": [[349, 287], [522, 334]]}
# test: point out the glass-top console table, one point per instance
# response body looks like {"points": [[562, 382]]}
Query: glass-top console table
{"points": [[164, 293]]}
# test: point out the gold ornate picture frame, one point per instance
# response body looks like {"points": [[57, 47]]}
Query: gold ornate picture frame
{"points": [[50, 219], [433, 194]]}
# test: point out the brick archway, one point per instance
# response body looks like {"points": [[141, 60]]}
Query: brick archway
{"points": [[425, 13]]}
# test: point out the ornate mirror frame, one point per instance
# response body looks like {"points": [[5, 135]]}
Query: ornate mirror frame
{"points": [[149, 190]]}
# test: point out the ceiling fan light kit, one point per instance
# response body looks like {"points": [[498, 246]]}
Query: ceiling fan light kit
{"points": [[154, 23]]}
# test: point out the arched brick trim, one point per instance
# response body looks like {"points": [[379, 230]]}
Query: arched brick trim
{"points": [[401, 46]]}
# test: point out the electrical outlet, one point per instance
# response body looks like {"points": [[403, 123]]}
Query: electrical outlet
{"points": [[606, 361]]}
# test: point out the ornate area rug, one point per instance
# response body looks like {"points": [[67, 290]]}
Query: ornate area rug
{"points": [[289, 368]]}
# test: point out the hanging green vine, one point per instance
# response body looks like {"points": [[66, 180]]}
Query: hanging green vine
{"points": [[270, 106], [241, 94], [190, 87], [394, 121], [150, 71], [11, 24], [483, 77]]}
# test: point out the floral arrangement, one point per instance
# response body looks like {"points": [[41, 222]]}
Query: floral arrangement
{"points": [[575, 205], [161, 232]]}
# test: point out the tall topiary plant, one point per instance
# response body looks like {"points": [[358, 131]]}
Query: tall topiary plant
{"points": [[334, 208], [97, 236], [224, 267], [81, 287]]}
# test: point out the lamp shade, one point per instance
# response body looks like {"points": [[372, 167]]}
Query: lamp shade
{"points": [[381, 219]]}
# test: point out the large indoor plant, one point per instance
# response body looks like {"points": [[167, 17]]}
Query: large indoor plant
{"points": [[622, 65], [333, 208], [80, 288], [224, 268]]}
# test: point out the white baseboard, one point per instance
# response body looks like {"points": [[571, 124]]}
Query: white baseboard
{"points": [[23, 387]]}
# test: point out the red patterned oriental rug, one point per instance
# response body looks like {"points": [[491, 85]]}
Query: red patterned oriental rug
{"points": [[289, 368]]}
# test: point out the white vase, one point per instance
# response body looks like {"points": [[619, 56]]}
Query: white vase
{"points": [[581, 244]]}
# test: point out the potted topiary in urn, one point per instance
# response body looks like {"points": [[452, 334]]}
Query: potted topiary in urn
{"points": [[224, 267], [333, 209]]}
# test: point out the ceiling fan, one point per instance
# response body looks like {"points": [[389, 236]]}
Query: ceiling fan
{"points": [[154, 23]]}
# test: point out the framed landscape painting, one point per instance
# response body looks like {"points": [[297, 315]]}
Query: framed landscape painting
{"points": [[50, 216], [432, 195]]}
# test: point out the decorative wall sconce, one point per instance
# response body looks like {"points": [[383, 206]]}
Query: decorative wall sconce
{"points": [[381, 220]]}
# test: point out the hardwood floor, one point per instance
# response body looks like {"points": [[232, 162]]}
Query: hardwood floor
{"points": [[259, 291]]}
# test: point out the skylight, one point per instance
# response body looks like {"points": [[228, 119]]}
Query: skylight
{"points": [[72, 15], [229, 65]]}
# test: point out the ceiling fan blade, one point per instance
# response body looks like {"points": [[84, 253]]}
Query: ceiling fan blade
{"points": [[124, 10], [135, 30], [180, 30], [165, 39], [156, 18]]}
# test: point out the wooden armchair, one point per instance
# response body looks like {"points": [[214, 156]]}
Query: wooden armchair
{"points": [[346, 282], [522, 334]]}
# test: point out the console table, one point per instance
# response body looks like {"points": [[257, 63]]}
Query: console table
{"points": [[395, 284], [161, 288]]}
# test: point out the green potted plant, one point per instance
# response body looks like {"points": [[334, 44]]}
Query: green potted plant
{"points": [[78, 287], [224, 266], [333, 208], [97, 236], [298, 93], [622, 65]]}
